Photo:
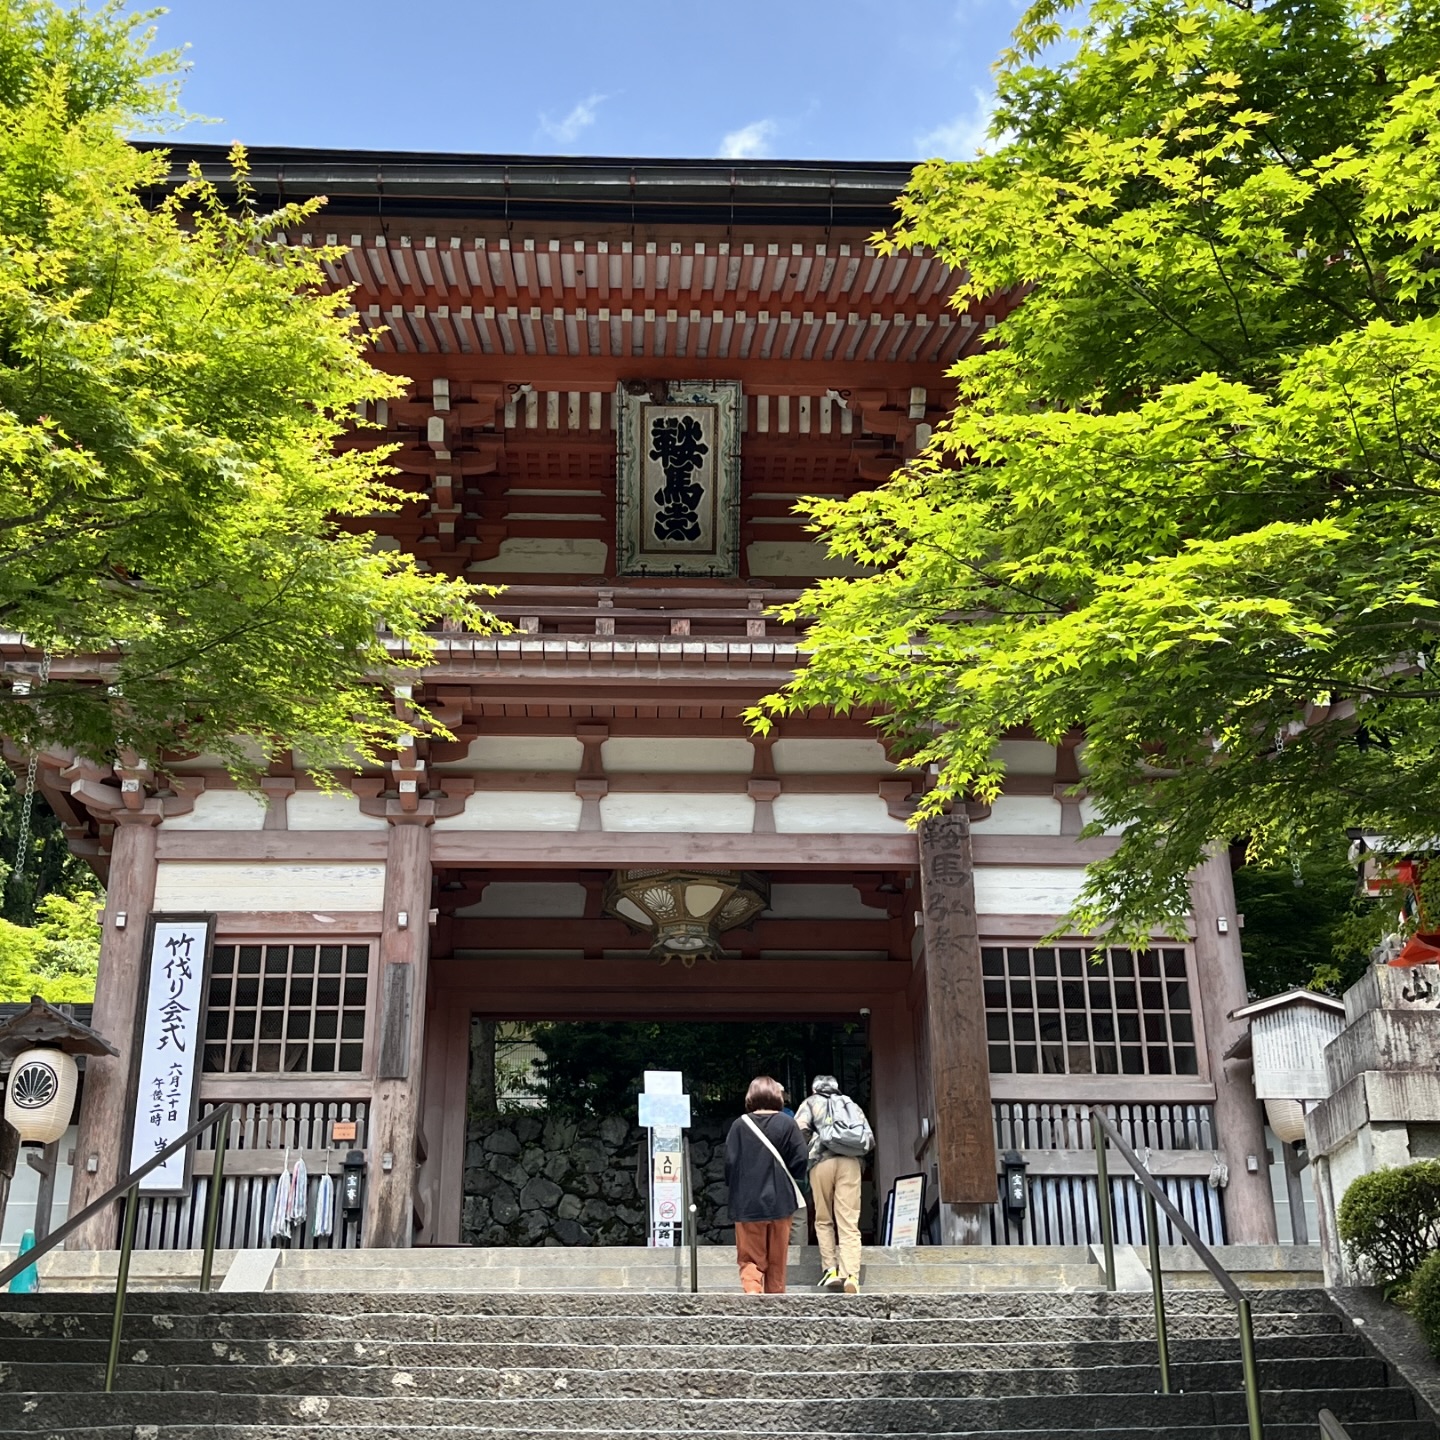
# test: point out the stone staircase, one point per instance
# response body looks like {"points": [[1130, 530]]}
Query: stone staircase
{"points": [[368, 1365], [635, 1268]]}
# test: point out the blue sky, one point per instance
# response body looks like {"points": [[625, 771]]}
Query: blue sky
{"points": [[841, 80]]}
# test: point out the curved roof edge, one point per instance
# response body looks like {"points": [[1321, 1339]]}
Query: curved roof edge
{"points": [[519, 187]]}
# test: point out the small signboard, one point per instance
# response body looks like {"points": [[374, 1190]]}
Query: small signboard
{"points": [[905, 1206], [342, 1130], [665, 1112], [174, 1001]]}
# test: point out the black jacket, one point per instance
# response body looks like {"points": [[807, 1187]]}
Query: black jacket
{"points": [[759, 1188]]}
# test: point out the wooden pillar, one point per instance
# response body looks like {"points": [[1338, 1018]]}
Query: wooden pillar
{"points": [[1239, 1119], [955, 1007], [390, 1186], [896, 1118], [101, 1148]]}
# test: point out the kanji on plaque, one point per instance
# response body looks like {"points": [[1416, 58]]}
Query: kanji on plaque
{"points": [[174, 1003]]}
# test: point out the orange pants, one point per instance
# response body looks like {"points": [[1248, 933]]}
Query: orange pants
{"points": [[762, 1249]]}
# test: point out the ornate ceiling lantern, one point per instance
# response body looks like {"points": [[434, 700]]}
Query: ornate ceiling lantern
{"points": [[686, 911]]}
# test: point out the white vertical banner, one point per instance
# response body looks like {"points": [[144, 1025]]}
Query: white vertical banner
{"points": [[171, 1037]]}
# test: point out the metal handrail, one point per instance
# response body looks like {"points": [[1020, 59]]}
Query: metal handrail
{"points": [[1102, 1129], [692, 1216], [129, 1186], [1331, 1428]]}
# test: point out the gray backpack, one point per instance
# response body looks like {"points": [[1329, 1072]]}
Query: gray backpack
{"points": [[841, 1126]]}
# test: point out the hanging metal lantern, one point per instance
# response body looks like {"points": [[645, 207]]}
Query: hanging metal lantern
{"points": [[686, 911], [41, 1094]]}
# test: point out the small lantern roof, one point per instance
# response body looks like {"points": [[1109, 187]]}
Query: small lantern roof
{"points": [[40, 1023], [1290, 997]]}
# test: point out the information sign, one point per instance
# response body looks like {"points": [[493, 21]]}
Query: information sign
{"points": [[907, 1204], [168, 1069]]}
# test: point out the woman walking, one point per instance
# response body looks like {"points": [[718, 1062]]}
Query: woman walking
{"points": [[765, 1157]]}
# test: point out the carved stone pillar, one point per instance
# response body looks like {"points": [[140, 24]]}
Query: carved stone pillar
{"points": [[955, 1009], [101, 1151], [399, 1067], [1239, 1119]]}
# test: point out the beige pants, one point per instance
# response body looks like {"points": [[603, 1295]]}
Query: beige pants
{"points": [[835, 1195]]}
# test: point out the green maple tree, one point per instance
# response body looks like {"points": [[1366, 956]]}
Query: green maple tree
{"points": [[1187, 501], [174, 377]]}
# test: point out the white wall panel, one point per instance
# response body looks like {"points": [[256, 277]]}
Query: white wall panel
{"points": [[517, 810], [700, 814], [830, 757], [1021, 815], [317, 810], [1027, 889], [1026, 757], [835, 814], [520, 752], [222, 810], [821, 902], [633, 754], [542, 555], [267, 885]]}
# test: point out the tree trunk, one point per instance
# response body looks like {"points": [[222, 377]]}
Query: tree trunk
{"points": [[483, 1100]]}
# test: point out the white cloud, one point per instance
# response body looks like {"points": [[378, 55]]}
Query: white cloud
{"points": [[568, 128], [965, 136], [748, 142]]}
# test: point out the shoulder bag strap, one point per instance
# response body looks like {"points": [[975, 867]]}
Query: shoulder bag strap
{"points": [[779, 1160]]}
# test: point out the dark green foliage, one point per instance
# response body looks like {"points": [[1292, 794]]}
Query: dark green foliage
{"points": [[1424, 1300], [1300, 929], [50, 868], [597, 1067], [1390, 1220]]}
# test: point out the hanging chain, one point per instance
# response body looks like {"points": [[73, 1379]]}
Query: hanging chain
{"points": [[27, 804]]}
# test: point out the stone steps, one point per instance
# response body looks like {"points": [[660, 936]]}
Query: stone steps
{"points": [[1137, 1376], [611, 1269], [1042, 1365]]}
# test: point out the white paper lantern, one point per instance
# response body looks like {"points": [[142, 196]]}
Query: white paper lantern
{"points": [[41, 1094], [1287, 1120]]}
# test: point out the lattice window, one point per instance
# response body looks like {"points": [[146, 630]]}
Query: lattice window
{"points": [[1073, 1011], [287, 1007]]}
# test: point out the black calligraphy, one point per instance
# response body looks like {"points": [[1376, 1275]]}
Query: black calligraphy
{"points": [[178, 974], [677, 442]]}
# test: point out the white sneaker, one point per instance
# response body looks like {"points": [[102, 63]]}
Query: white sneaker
{"points": [[852, 1285], [830, 1280]]}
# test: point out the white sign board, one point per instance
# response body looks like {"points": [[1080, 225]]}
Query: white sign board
{"points": [[169, 1060], [667, 1184], [907, 1200]]}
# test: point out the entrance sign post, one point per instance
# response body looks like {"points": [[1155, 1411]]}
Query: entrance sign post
{"points": [[665, 1112]]}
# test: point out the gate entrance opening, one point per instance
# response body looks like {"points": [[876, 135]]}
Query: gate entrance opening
{"points": [[553, 1150]]}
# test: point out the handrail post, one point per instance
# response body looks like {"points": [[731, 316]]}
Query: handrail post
{"points": [[1102, 1182], [122, 1279], [1252, 1373], [692, 1216], [1157, 1290], [212, 1198]]}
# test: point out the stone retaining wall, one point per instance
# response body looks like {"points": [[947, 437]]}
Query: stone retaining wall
{"points": [[535, 1180]]}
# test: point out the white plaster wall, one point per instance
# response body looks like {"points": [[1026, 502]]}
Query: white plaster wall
{"points": [[537, 555], [1026, 757], [830, 757], [796, 557], [637, 754], [1021, 815], [222, 810], [1027, 889], [517, 810], [820, 902], [700, 814], [319, 810], [514, 899], [521, 752], [835, 814], [1087, 814], [267, 885]]}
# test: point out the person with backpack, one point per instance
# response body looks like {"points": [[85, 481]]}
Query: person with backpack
{"points": [[840, 1137], [764, 1162]]}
